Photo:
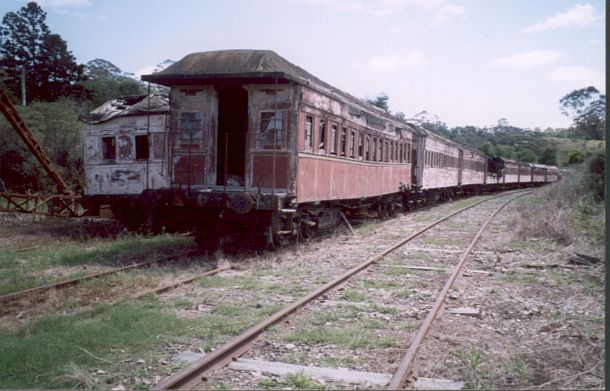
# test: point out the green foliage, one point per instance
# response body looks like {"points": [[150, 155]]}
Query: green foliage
{"points": [[51, 69], [106, 82], [549, 156], [587, 107], [56, 127], [380, 101]]}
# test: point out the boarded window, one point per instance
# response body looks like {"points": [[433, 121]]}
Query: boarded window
{"points": [[308, 132], [142, 147], [271, 129], [190, 128], [109, 148], [333, 139]]}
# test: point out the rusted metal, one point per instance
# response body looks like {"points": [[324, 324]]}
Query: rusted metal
{"points": [[44, 204], [404, 369], [75, 281], [199, 370], [13, 117]]}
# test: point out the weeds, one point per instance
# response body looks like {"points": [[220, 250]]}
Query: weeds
{"points": [[477, 375], [301, 381]]}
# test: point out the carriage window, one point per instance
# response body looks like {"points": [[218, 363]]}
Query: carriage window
{"points": [[142, 147], [333, 139], [352, 143], [344, 142], [322, 135], [190, 128], [271, 129], [367, 148], [109, 148], [360, 146], [308, 132], [374, 148]]}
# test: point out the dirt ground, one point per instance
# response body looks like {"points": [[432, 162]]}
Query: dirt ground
{"points": [[540, 321]]}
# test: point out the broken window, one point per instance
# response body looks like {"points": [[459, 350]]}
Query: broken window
{"points": [[352, 143], [333, 139], [308, 132], [322, 136], [367, 148], [190, 128], [271, 132], [142, 147], [360, 146], [109, 148], [344, 142]]}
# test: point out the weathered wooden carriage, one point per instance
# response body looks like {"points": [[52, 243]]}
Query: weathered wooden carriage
{"points": [[258, 144]]}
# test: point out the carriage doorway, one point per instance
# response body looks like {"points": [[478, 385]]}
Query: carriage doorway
{"points": [[232, 136]]}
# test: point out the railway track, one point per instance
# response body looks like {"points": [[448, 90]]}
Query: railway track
{"points": [[60, 285], [202, 369]]}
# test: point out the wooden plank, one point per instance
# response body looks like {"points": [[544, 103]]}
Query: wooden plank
{"points": [[440, 269], [326, 374], [441, 250], [468, 311], [426, 383]]}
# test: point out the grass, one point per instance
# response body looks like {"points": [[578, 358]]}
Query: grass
{"points": [[475, 372], [48, 346], [301, 381], [351, 336], [525, 278], [571, 211], [102, 337], [353, 294], [377, 284], [519, 368]]}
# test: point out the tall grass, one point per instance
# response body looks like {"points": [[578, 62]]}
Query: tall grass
{"points": [[571, 211]]}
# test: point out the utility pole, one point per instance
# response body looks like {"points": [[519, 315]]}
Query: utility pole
{"points": [[23, 96]]}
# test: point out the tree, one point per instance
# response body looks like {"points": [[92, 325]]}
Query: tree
{"points": [[380, 101], [587, 107], [27, 43], [106, 82], [549, 156]]}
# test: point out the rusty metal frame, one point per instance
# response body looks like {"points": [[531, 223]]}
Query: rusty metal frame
{"points": [[43, 204]]}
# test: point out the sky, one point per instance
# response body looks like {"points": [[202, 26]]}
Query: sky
{"points": [[469, 62]]}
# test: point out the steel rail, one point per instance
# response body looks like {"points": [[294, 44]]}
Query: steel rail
{"points": [[403, 372], [198, 371], [75, 281]]}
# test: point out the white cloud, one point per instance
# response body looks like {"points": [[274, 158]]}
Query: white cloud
{"points": [[395, 62], [577, 75], [64, 3], [533, 58], [448, 11], [147, 70], [579, 15]]}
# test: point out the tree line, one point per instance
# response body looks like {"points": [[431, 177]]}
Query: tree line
{"points": [[37, 67]]}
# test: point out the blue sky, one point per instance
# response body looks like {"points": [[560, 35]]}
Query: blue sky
{"points": [[470, 62]]}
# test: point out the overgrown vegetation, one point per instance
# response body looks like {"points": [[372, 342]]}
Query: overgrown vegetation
{"points": [[571, 211]]}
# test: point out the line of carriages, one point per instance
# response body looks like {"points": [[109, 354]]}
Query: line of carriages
{"points": [[249, 143]]}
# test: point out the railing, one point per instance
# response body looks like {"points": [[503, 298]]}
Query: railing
{"points": [[44, 204]]}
